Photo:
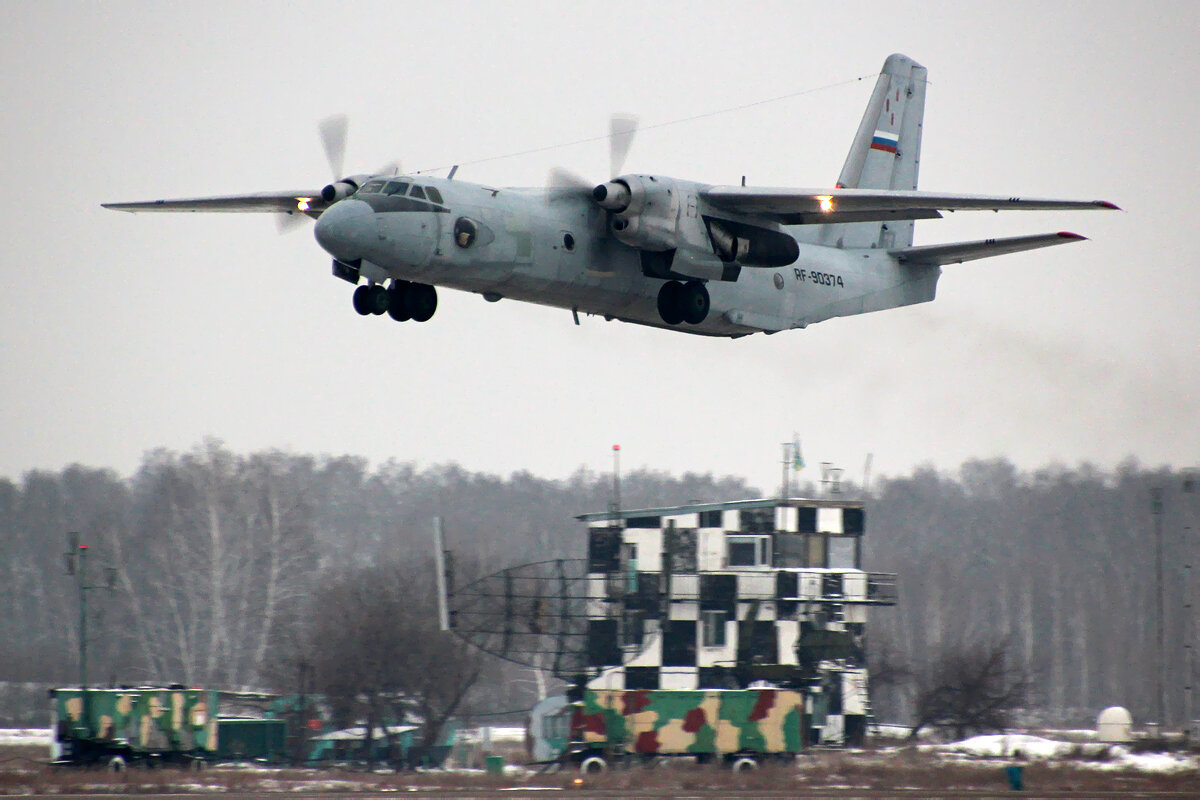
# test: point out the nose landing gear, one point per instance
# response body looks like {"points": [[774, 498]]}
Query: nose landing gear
{"points": [[683, 302], [401, 301]]}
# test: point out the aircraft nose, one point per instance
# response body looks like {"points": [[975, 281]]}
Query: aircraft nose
{"points": [[342, 230]]}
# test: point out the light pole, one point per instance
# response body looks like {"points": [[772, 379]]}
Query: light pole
{"points": [[76, 558], [1156, 510], [1189, 487]]}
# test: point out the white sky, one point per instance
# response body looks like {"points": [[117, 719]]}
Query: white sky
{"points": [[120, 333]]}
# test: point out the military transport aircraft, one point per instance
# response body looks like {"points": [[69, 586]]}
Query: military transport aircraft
{"points": [[714, 260]]}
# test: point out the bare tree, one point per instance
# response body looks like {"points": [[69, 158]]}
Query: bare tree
{"points": [[970, 689], [379, 658]]}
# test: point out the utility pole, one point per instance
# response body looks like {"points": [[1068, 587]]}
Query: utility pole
{"points": [[1156, 509], [76, 558], [615, 507], [1189, 590]]}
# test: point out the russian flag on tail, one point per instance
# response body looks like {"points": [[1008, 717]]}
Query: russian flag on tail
{"points": [[887, 142]]}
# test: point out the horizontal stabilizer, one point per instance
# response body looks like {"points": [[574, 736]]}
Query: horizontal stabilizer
{"points": [[819, 206], [307, 202], [935, 255]]}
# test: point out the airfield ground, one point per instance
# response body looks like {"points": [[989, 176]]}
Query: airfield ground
{"points": [[974, 768]]}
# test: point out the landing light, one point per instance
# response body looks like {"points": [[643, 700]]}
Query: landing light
{"points": [[826, 203], [302, 203]]}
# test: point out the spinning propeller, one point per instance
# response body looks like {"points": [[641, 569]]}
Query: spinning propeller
{"points": [[621, 130]]}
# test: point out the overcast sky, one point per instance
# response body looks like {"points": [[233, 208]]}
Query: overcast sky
{"points": [[121, 333]]}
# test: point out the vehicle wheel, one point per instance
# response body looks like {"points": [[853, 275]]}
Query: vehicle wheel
{"points": [[744, 764], [421, 301], [668, 302], [116, 764], [397, 304], [378, 299], [592, 765], [694, 302], [362, 300]]}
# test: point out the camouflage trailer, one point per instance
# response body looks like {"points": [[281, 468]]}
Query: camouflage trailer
{"points": [[730, 724], [121, 726]]}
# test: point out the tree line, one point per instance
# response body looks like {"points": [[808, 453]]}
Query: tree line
{"points": [[247, 572]]}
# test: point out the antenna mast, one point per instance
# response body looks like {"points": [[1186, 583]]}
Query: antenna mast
{"points": [[614, 507]]}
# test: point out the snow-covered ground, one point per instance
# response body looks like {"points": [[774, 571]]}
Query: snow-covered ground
{"points": [[18, 736], [1093, 755]]}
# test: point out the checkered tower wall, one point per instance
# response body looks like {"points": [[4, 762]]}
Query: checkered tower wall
{"points": [[668, 610]]}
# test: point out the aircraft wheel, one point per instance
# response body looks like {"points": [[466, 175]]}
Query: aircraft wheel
{"points": [[397, 301], [694, 302], [669, 306], [378, 299], [420, 300], [362, 301]]}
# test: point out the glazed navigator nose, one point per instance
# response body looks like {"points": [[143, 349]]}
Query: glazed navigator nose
{"points": [[343, 230]]}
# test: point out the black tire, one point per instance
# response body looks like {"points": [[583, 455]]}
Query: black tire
{"points": [[362, 303], [593, 765], [378, 299], [694, 302], [669, 306], [421, 301], [397, 302]]}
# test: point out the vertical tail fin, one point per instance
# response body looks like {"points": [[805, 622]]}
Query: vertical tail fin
{"points": [[887, 150]]}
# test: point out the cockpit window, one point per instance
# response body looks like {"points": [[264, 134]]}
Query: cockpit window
{"points": [[371, 187], [434, 195], [396, 188], [417, 192]]}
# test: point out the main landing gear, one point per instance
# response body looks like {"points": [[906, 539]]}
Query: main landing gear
{"points": [[401, 301], [683, 302]]}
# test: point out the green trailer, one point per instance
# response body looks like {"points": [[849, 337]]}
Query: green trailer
{"points": [[116, 727], [252, 739]]}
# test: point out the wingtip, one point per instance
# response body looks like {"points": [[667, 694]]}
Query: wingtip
{"points": [[1072, 236], [1106, 204]]}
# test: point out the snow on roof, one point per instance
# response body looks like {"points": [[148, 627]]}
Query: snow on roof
{"points": [[360, 731]]}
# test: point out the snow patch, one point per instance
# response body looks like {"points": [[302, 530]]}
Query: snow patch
{"points": [[22, 736]]}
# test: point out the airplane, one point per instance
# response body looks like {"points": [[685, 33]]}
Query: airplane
{"points": [[649, 249]]}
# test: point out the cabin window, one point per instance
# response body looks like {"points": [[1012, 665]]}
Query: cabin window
{"points": [[568, 242], [434, 195], [417, 192]]}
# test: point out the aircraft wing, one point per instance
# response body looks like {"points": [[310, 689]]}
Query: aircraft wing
{"points": [[309, 202], [935, 255], [818, 206]]}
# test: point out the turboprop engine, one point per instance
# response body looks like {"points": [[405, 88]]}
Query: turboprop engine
{"points": [[646, 214], [343, 188], [645, 210]]}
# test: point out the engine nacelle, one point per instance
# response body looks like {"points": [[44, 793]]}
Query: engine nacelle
{"points": [[343, 188], [645, 210]]}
